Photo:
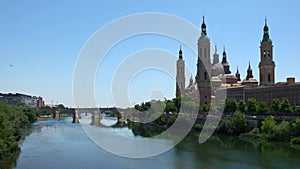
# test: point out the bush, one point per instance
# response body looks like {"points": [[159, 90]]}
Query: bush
{"points": [[233, 126], [267, 125], [295, 140], [281, 132], [295, 127], [198, 127]]}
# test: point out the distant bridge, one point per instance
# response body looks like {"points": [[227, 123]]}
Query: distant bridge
{"points": [[97, 112]]}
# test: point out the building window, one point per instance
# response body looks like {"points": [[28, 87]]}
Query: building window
{"points": [[269, 53], [264, 53], [205, 75], [205, 52], [269, 77]]}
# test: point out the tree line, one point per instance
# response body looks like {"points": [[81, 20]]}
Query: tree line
{"points": [[233, 123], [13, 120], [251, 106]]}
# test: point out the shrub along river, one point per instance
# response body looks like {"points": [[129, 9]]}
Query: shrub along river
{"points": [[63, 145]]}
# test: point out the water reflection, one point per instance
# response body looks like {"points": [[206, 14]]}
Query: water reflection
{"points": [[61, 144]]}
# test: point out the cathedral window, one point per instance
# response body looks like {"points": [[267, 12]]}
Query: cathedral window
{"points": [[269, 77], [269, 53], [264, 53]]}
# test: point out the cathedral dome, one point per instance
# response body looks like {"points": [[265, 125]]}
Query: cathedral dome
{"points": [[217, 69], [252, 82]]}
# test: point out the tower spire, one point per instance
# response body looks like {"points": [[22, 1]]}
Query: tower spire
{"points": [[249, 72], [265, 20], [191, 81], [249, 67], [266, 36], [224, 59], [216, 50], [180, 52], [237, 74], [203, 26]]}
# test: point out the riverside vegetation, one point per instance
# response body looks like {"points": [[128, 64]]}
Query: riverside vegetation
{"points": [[233, 120], [14, 119]]}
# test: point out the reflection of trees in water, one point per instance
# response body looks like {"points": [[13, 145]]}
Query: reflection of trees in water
{"points": [[10, 162]]}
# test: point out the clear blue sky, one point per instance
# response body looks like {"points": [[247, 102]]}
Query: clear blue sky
{"points": [[41, 40]]}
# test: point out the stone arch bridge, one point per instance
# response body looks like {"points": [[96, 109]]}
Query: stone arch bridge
{"points": [[97, 113]]}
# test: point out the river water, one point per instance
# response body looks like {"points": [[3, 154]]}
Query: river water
{"points": [[61, 144]]}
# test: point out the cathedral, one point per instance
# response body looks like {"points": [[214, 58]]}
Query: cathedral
{"points": [[215, 76]]}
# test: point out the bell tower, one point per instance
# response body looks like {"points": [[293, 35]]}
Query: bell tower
{"points": [[266, 65], [204, 67], [180, 75]]}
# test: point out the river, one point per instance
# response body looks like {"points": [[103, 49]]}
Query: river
{"points": [[64, 145]]}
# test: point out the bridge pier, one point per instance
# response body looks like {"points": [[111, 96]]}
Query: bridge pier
{"points": [[96, 115], [57, 114], [76, 116], [122, 117]]}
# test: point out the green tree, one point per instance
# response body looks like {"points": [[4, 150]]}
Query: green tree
{"points": [[230, 106], [267, 127], [239, 122], [295, 127], [263, 108], [61, 106], [170, 106], [281, 132], [233, 126], [252, 105], [276, 105], [242, 106], [285, 106], [297, 109], [205, 108], [13, 119]]}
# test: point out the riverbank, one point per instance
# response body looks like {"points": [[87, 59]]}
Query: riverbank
{"points": [[14, 119], [235, 125]]}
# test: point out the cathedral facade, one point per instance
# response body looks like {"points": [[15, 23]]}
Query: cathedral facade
{"points": [[213, 77]]}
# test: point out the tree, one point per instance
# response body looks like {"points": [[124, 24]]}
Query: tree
{"points": [[281, 132], [242, 106], [297, 109], [267, 126], [233, 126], [295, 127], [276, 105], [205, 108], [252, 105], [239, 122], [230, 106], [170, 106], [61, 106], [285, 106], [263, 108]]}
